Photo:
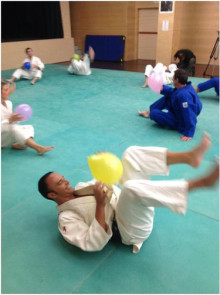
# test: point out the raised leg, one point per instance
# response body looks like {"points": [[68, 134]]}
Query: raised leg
{"points": [[192, 157]]}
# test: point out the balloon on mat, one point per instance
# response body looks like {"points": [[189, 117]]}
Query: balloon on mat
{"points": [[105, 167], [24, 110], [76, 57], [27, 65], [155, 82]]}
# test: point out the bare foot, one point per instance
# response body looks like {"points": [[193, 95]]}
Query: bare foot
{"points": [[145, 114], [144, 86], [196, 89], [44, 149], [185, 138], [91, 53], [206, 181], [18, 146], [34, 81], [196, 155], [212, 177]]}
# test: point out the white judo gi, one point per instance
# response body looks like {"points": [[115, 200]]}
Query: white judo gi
{"points": [[13, 133], [133, 205], [80, 67], [161, 69], [32, 73]]}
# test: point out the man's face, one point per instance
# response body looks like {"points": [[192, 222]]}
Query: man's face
{"points": [[5, 92], [59, 185], [29, 52]]}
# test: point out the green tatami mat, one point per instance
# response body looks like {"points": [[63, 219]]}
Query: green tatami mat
{"points": [[81, 115]]}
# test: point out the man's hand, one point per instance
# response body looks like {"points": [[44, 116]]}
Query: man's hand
{"points": [[35, 67], [185, 138], [15, 117], [100, 193]]}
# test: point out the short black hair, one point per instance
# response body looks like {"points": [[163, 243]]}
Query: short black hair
{"points": [[27, 49], [43, 187], [181, 75]]}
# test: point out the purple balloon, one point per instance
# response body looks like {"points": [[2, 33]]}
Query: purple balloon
{"points": [[24, 110], [155, 82]]}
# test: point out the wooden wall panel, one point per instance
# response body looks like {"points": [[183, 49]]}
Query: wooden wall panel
{"points": [[97, 18], [108, 18], [148, 18], [165, 39], [196, 26], [147, 46], [193, 25]]}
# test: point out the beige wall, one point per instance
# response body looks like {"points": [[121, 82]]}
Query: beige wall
{"points": [[108, 18], [193, 25], [50, 51], [165, 38], [102, 18]]}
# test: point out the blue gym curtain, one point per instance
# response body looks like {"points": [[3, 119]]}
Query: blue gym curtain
{"points": [[27, 20]]}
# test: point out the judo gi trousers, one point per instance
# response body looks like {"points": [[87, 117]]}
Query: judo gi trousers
{"points": [[81, 67], [14, 133], [139, 195], [27, 74], [163, 118], [212, 83]]}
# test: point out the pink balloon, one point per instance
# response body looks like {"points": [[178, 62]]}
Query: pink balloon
{"points": [[24, 110], [155, 82]]}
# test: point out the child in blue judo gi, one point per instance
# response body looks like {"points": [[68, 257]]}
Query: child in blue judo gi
{"points": [[211, 83], [178, 108]]}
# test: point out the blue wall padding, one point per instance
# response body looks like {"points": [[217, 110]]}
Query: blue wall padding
{"points": [[107, 48]]}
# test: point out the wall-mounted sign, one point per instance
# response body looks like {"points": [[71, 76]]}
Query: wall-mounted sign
{"points": [[166, 6]]}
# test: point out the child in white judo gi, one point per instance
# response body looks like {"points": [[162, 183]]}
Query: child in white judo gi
{"points": [[162, 70], [82, 66], [12, 134], [35, 71], [86, 214]]}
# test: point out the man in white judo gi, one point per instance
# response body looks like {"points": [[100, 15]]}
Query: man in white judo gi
{"points": [[35, 71], [86, 213], [82, 66], [162, 70]]}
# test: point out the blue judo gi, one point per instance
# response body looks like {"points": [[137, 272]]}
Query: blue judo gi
{"points": [[182, 108], [214, 82]]}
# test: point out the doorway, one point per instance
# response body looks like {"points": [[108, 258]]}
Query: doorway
{"points": [[147, 33]]}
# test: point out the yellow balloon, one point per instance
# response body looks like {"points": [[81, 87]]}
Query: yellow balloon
{"points": [[105, 167]]}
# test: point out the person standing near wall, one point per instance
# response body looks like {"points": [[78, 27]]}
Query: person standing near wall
{"points": [[187, 60]]}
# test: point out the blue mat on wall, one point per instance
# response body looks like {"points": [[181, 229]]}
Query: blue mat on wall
{"points": [[107, 48]]}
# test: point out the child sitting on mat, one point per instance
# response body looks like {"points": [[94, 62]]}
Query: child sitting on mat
{"points": [[17, 136]]}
